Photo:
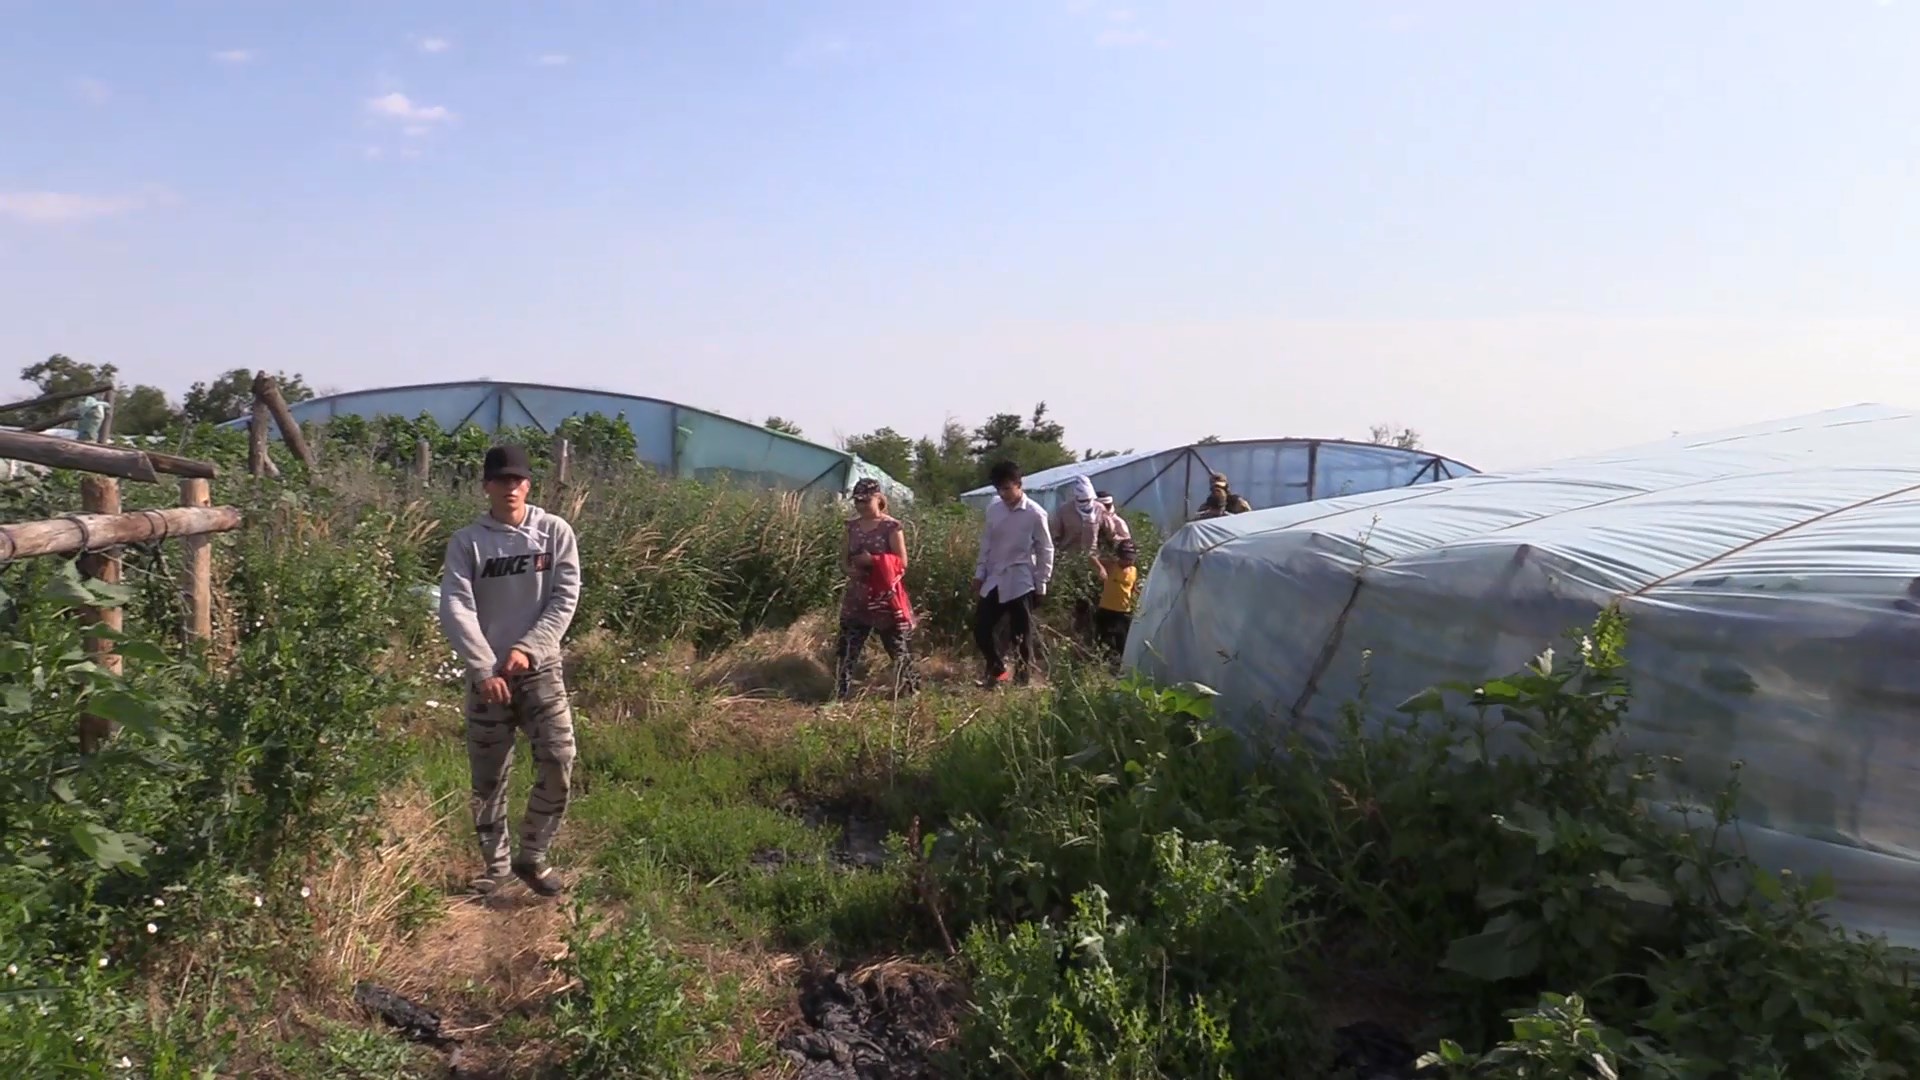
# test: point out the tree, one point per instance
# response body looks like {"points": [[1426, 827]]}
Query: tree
{"points": [[137, 410], [944, 468], [783, 426], [1207, 440], [142, 410], [1405, 439], [887, 449], [1033, 444], [231, 395]]}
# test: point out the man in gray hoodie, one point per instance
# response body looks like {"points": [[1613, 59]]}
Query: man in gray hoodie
{"points": [[507, 595]]}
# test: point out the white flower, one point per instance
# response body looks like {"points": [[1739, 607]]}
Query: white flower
{"points": [[152, 929], [125, 1062], [103, 961], [305, 892], [431, 704], [257, 902], [13, 969], [157, 902], [1586, 647]]}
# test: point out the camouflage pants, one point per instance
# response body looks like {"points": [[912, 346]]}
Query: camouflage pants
{"points": [[539, 706]]}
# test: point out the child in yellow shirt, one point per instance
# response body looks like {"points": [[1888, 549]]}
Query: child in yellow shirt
{"points": [[1114, 618]]}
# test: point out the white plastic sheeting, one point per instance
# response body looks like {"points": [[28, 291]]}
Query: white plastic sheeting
{"points": [[1169, 485], [1770, 575]]}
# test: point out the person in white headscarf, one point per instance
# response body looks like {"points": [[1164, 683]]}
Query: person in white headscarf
{"points": [[1077, 518], [1113, 527]]}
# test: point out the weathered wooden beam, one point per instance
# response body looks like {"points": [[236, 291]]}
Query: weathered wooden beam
{"points": [[196, 588], [67, 535], [257, 460], [54, 422], [422, 461], [265, 389], [58, 453], [55, 399], [100, 496]]}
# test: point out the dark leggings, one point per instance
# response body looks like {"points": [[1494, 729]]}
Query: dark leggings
{"points": [[853, 639], [986, 620]]}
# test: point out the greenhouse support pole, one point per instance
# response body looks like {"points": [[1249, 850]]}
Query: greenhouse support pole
{"points": [[1313, 466]]}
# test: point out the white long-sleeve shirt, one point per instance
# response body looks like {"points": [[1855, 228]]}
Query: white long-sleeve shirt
{"points": [[1016, 550]]}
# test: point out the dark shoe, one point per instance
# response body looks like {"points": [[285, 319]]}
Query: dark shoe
{"points": [[544, 880], [489, 882]]}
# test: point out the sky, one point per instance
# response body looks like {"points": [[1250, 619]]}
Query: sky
{"points": [[1526, 229]]}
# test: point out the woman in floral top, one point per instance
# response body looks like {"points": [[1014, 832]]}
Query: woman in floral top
{"points": [[875, 603]]}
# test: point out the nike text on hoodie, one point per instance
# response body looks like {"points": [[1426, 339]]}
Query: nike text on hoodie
{"points": [[510, 587]]}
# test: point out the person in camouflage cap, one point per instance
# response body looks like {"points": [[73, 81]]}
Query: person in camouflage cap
{"points": [[1221, 500]]}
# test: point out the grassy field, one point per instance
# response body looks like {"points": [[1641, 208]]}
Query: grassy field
{"points": [[1084, 879]]}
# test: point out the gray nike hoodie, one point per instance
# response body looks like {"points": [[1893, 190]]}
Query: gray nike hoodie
{"points": [[510, 587]]}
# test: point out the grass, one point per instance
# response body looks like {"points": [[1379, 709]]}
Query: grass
{"points": [[1122, 890]]}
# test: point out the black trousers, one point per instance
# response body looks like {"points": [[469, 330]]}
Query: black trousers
{"points": [[1110, 630], [853, 638], [986, 621]]}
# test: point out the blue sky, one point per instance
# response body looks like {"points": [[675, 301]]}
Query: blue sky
{"points": [[1527, 229]]}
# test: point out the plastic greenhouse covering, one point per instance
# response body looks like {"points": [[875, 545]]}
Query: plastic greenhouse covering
{"points": [[684, 441], [1169, 485], [1770, 576]]}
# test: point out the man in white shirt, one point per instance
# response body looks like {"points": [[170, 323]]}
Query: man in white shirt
{"points": [[1016, 561]]}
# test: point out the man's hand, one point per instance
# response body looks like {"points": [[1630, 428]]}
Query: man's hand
{"points": [[517, 661], [978, 583], [1039, 597], [494, 691]]}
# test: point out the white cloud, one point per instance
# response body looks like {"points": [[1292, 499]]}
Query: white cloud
{"points": [[414, 131], [234, 56], [56, 207], [372, 153], [553, 59], [398, 106], [435, 45], [93, 91]]}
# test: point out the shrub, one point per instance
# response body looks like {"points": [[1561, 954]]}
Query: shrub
{"points": [[629, 1015]]}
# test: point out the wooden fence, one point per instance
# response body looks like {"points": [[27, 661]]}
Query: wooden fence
{"points": [[101, 528]]}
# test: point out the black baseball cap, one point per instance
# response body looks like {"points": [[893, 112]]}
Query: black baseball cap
{"points": [[507, 462]]}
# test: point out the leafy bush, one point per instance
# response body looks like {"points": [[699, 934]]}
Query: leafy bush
{"points": [[217, 776], [1494, 855], [629, 1015]]}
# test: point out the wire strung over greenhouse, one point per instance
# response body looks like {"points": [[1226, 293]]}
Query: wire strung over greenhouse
{"points": [[1771, 580], [1168, 486]]}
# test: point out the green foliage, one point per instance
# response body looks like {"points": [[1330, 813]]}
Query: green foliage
{"points": [[783, 426], [887, 449], [138, 410], [231, 395], [215, 778], [1498, 853], [629, 1016]]}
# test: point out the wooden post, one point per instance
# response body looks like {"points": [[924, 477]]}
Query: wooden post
{"points": [[54, 399], [197, 589], [265, 389], [562, 462], [101, 495], [423, 461], [106, 422], [257, 439]]}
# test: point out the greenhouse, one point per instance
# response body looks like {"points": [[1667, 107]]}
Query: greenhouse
{"points": [[1770, 577], [1168, 486], [675, 439]]}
